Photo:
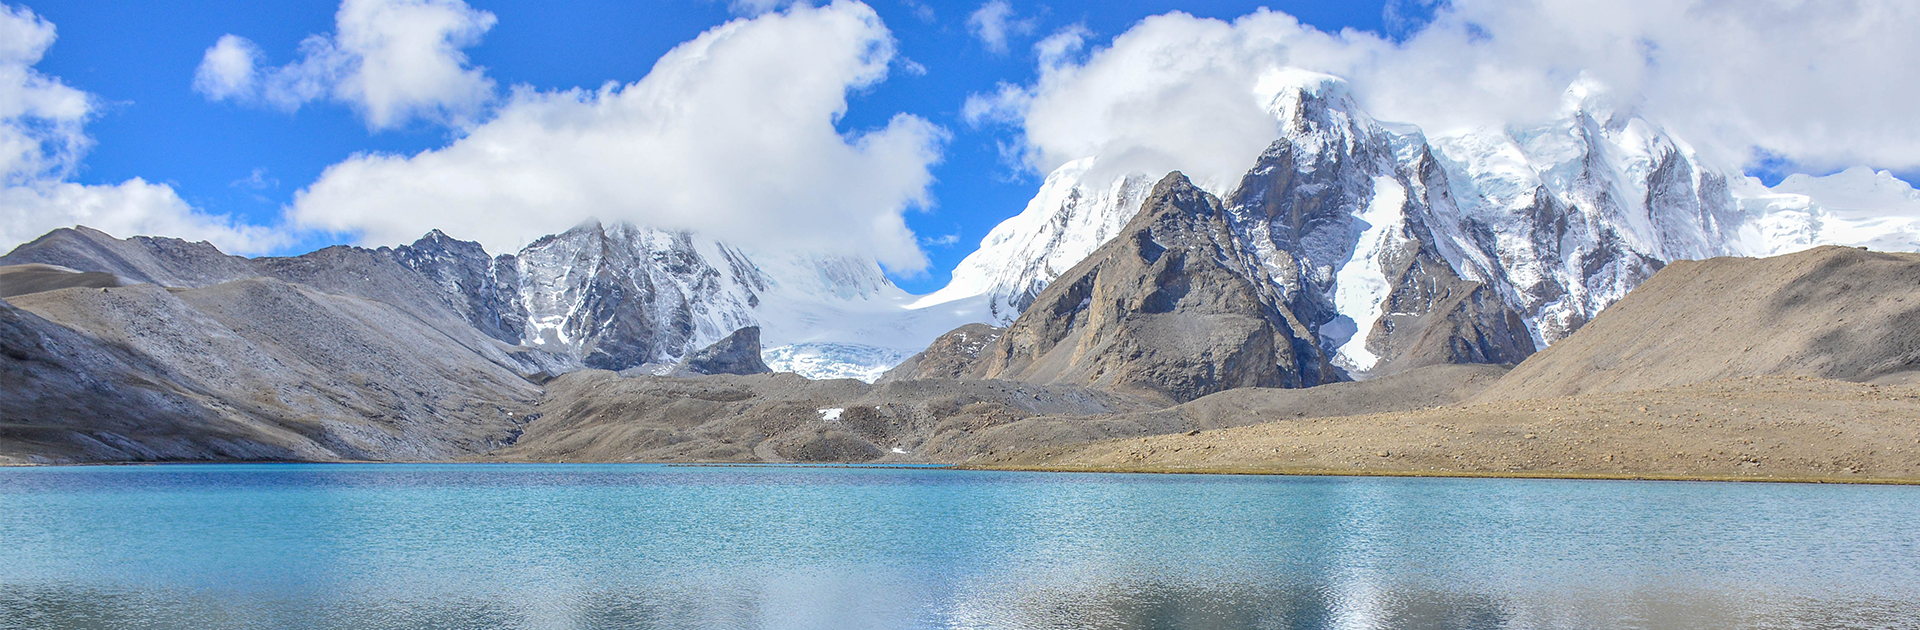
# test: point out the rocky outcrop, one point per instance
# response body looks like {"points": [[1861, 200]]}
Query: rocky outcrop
{"points": [[1832, 312], [951, 355], [739, 353], [1167, 307]]}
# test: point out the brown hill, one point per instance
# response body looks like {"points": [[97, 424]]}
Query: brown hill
{"points": [[1831, 312]]}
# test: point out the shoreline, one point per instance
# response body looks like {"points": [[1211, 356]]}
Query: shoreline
{"points": [[1119, 470]]}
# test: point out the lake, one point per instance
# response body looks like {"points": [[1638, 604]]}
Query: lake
{"points": [[649, 546]]}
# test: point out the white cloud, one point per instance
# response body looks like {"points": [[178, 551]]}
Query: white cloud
{"points": [[731, 134], [42, 139], [227, 70], [395, 61], [994, 21], [1173, 92], [1825, 84]]}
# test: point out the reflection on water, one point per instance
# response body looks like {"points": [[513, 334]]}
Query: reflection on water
{"points": [[662, 547], [1112, 606]]}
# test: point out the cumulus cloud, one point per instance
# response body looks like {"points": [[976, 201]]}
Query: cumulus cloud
{"points": [[394, 61], [42, 139], [731, 134], [1823, 84], [1173, 93], [994, 21], [227, 70]]}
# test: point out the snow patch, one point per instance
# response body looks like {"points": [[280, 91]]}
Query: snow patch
{"points": [[831, 414], [1360, 288]]}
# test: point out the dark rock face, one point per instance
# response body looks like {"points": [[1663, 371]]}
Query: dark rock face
{"points": [[952, 355], [1167, 307], [739, 353], [484, 289]]}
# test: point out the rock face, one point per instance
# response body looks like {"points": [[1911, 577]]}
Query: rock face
{"points": [[1832, 312], [739, 353], [1167, 307], [952, 355]]}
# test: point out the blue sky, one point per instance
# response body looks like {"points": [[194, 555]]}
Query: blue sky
{"points": [[139, 59]]}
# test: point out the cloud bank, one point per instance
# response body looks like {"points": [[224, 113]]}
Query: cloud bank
{"points": [[42, 139], [1824, 85], [393, 61], [731, 134]]}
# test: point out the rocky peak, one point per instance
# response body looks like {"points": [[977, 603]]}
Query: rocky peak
{"points": [[1166, 307]]}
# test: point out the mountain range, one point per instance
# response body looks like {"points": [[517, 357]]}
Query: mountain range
{"points": [[1351, 249]]}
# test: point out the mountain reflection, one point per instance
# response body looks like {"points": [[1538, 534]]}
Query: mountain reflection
{"points": [[1129, 606]]}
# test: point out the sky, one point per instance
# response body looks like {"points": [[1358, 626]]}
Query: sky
{"points": [[899, 129]]}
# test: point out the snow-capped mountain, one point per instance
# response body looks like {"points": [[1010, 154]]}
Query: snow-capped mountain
{"points": [[621, 296], [1508, 238], [1065, 222], [1857, 207]]}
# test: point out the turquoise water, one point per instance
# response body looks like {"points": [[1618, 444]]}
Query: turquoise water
{"points": [[637, 546]]}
